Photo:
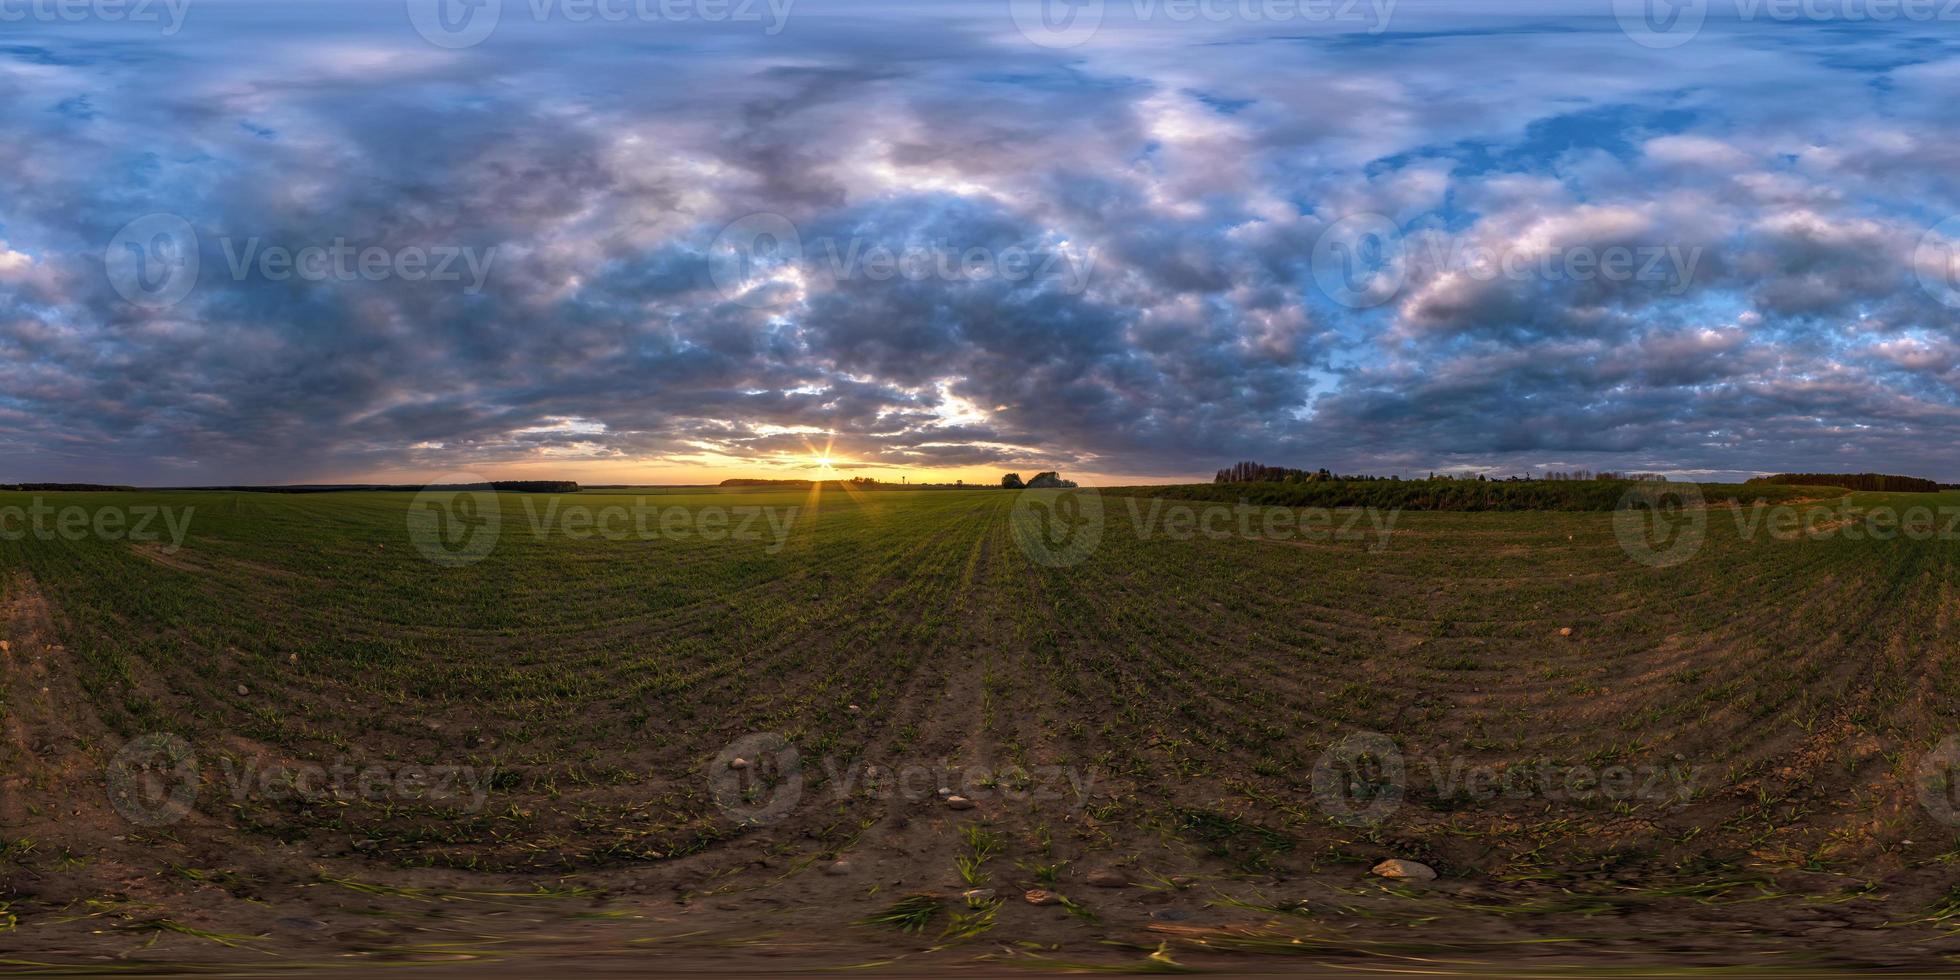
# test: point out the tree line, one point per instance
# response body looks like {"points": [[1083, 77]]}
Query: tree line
{"points": [[1881, 482], [1045, 480], [1251, 472]]}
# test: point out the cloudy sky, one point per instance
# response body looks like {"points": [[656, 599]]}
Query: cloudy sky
{"points": [[678, 240]]}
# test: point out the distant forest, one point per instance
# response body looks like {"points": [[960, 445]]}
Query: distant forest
{"points": [[857, 482], [854, 483], [1854, 481], [1564, 495], [69, 487], [509, 486], [1249, 472]]}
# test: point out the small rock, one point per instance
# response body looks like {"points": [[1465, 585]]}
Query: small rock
{"points": [[837, 867], [853, 709], [293, 659], [738, 764], [434, 726], [6, 647], [977, 896], [1036, 896], [1170, 915], [944, 792], [958, 803], [1408, 870], [243, 690], [1108, 879], [1565, 631], [1183, 881], [366, 845]]}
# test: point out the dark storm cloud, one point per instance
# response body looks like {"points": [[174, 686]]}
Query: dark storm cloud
{"points": [[1112, 249]]}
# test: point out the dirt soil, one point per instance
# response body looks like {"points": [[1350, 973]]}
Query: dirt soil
{"points": [[196, 896]]}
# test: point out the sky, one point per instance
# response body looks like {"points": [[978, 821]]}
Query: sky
{"points": [[673, 241]]}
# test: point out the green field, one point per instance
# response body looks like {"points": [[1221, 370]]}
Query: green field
{"points": [[1156, 710]]}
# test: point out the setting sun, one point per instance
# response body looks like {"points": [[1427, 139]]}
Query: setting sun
{"points": [[822, 458]]}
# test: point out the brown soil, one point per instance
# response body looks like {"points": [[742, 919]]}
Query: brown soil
{"points": [[145, 900]]}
